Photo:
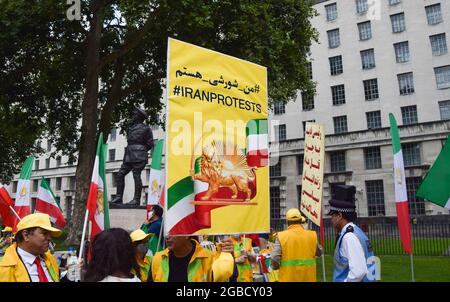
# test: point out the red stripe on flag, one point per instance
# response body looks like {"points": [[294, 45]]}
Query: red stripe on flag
{"points": [[258, 158], [92, 200], [52, 211], [404, 225]]}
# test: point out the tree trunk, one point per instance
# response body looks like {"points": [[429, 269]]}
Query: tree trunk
{"points": [[113, 98], [86, 150]]}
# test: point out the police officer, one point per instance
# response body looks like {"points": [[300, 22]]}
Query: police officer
{"points": [[140, 141], [352, 245]]}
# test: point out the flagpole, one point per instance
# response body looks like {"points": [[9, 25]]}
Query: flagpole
{"points": [[80, 256], [412, 266], [160, 233], [15, 213]]}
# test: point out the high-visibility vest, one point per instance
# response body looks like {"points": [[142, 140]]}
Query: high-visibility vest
{"points": [[199, 267], [245, 269], [144, 266], [298, 252]]}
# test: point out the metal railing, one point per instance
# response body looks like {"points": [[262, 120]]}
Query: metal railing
{"points": [[430, 235]]}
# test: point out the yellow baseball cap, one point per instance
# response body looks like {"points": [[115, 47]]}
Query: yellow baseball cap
{"points": [[223, 267], [139, 235], [7, 229], [294, 215], [40, 220]]}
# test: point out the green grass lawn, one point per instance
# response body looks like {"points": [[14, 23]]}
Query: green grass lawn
{"points": [[397, 268]]}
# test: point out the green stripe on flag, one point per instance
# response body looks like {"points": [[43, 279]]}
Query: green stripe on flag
{"points": [[396, 147], [101, 152], [435, 186], [257, 127], [157, 155], [25, 172], [179, 190]]}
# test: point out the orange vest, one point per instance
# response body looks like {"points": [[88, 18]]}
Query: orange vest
{"points": [[298, 254]]}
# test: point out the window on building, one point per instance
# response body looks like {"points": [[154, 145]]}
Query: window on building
{"points": [[304, 125], [275, 170], [33, 204], [411, 154], [72, 182], [368, 59], [331, 10], [375, 198], [406, 83], [300, 159], [113, 136], [409, 115], [47, 163], [337, 161], [279, 108], [372, 158], [365, 30], [58, 184], [275, 203], [340, 124], [438, 44], [58, 161], [361, 6], [336, 65], [36, 164], [444, 109], [114, 179], [416, 204], [373, 119], [112, 154], [307, 101], [280, 132], [394, 2], [434, 15], [398, 23], [402, 52], [333, 38], [371, 89], [35, 185], [338, 94], [309, 70], [442, 77]]}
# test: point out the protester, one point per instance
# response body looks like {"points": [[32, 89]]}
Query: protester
{"points": [[185, 260], [243, 257], [6, 240], [112, 258], [153, 225], [352, 247], [140, 243], [29, 259], [295, 250]]}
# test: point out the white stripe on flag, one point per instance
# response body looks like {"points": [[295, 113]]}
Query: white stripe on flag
{"points": [[399, 178], [180, 210], [46, 196], [23, 193], [257, 142]]}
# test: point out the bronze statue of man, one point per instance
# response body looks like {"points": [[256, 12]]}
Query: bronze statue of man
{"points": [[140, 141]]}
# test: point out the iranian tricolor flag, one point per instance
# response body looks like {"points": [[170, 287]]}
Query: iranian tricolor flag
{"points": [[435, 186], [401, 197], [97, 203], [22, 202], [181, 218], [156, 175], [257, 143], [47, 203]]}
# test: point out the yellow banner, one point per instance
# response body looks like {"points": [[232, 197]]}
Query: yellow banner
{"points": [[312, 177], [217, 143]]}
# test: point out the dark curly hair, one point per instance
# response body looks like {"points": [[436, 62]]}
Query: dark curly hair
{"points": [[112, 253]]}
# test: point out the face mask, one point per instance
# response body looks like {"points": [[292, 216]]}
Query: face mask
{"points": [[150, 214], [142, 248]]}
